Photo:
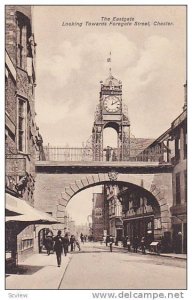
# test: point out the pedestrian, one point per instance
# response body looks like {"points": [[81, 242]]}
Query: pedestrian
{"points": [[108, 153], [178, 243], [107, 240], [82, 238], [77, 244], [111, 241], [49, 243], [72, 243], [135, 243], [124, 241], [143, 245], [66, 244], [58, 247], [128, 244]]}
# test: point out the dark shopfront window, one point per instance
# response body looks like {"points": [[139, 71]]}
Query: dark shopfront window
{"points": [[141, 227]]}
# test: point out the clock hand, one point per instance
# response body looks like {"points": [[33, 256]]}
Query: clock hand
{"points": [[114, 102]]}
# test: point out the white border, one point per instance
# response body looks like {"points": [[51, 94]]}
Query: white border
{"points": [[86, 294]]}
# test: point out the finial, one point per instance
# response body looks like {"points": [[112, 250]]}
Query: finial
{"points": [[185, 96], [109, 61]]}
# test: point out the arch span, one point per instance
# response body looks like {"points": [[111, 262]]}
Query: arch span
{"points": [[149, 182]]}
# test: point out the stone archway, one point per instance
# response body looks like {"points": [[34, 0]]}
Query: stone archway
{"points": [[155, 184]]}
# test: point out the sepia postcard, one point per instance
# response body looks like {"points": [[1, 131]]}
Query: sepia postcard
{"points": [[96, 150]]}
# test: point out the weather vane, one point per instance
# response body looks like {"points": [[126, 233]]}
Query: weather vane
{"points": [[109, 61]]}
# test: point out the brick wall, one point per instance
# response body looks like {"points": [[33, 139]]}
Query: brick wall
{"points": [[10, 32], [10, 96], [19, 84]]}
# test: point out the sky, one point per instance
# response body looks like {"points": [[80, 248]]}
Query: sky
{"points": [[72, 60]]}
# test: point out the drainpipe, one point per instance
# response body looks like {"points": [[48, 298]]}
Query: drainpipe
{"points": [[182, 237]]}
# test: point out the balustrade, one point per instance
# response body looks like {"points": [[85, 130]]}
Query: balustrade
{"points": [[86, 154]]}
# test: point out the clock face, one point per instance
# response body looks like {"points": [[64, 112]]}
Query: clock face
{"points": [[111, 104]]}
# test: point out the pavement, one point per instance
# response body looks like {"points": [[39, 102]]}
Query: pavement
{"points": [[39, 271], [171, 255]]}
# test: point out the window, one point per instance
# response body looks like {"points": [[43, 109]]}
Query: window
{"points": [[177, 149], [23, 35], [185, 180], [185, 145], [21, 125], [178, 194], [21, 41]]}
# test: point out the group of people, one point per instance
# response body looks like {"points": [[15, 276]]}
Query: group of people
{"points": [[84, 238], [136, 243], [109, 240], [61, 244]]}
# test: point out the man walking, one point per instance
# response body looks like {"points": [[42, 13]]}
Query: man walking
{"points": [[49, 243], [66, 244], [72, 242], [143, 245], [128, 244], [135, 243], [58, 247]]}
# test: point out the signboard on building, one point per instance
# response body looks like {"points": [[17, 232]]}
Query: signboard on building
{"points": [[15, 166], [157, 223]]}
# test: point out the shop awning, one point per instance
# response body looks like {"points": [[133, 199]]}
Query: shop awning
{"points": [[19, 211]]}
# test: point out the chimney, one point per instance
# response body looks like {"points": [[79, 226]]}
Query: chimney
{"points": [[185, 96]]}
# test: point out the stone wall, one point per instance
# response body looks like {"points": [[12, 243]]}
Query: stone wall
{"points": [[54, 191]]}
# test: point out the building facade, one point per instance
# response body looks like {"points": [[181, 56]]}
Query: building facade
{"points": [[178, 134], [98, 216], [114, 205], [140, 213], [22, 138], [171, 147]]}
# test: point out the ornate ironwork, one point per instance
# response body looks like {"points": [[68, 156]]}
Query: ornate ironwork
{"points": [[98, 113], [95, 153]]}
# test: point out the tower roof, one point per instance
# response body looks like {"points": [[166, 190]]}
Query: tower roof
{"points": [[112, 81]]}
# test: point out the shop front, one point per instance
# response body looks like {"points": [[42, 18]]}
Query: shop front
{"points": [[179, 235], [142, 226], [20, 216], [141, 215]]}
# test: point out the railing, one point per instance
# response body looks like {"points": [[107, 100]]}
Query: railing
{"points": [[68, 154], [86, 154]]}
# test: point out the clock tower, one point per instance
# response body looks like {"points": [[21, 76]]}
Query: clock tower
{"points": [[111, 113]]}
